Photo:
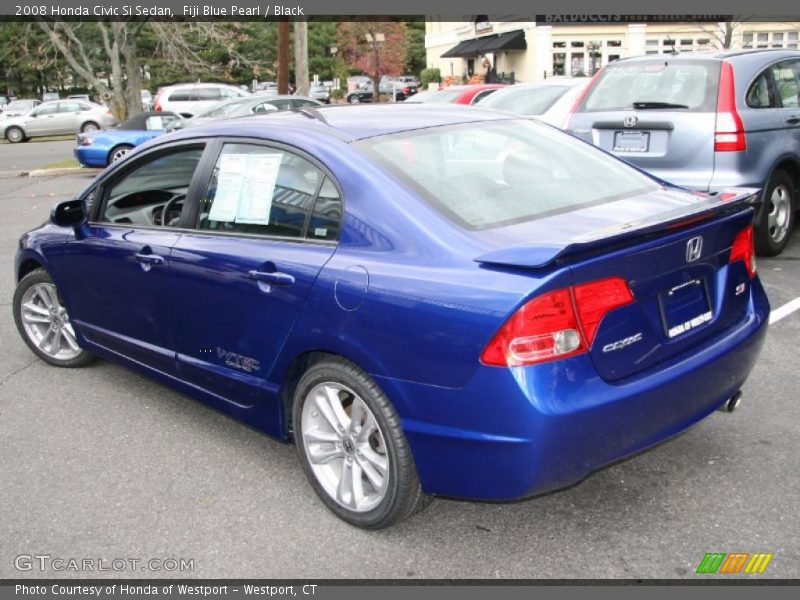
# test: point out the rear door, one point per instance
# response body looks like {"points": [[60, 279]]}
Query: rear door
{"points": [[267, 223], [659, 115], [787, 83]]}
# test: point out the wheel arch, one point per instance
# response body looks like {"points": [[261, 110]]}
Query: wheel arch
{"points": [[790, 164], [27, 265], [117, 147]]}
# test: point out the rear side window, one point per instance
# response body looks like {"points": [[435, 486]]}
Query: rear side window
{"points": [[786, 81], [504, 172], [662, 84], [267, 191], [760, 94], [526, 100]]}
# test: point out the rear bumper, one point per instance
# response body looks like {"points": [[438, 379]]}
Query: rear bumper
{"points": [[91, 156], [512, 433]]}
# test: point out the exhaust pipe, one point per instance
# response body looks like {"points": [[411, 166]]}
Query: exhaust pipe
{"points": [[732, 403]]}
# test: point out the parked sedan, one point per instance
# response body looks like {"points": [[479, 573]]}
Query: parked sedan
{"points": [[426, 300], [245, 107], [549, 101], [57, 118], [459, 94], [101, 148]]}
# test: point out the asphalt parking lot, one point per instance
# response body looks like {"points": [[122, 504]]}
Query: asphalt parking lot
{"points": [[103, 463], [33, 154]]}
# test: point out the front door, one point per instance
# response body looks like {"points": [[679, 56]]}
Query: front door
{"points": [[266, 225], [120, 294]]}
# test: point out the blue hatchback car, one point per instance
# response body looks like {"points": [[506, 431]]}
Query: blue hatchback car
{"points": [[427, 300]]}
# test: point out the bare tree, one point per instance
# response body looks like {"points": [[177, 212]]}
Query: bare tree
{"points": [[723, 32]]}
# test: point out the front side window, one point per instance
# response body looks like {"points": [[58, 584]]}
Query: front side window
{"points": [[47, 109], [504, 172], [261, 190], [154, 193], [786, 81]]}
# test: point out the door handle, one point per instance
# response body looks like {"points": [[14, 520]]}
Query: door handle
{"points": [[274, 278], [148, 260], [793, 120]]}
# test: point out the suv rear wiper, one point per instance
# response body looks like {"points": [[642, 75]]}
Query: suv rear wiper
{"points": [[647, 104]]}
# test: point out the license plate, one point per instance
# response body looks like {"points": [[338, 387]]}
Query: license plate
{"points": [[685, 307], [631, 141]]}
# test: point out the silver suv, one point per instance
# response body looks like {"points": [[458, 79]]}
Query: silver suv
{"points": [[706, 121]]}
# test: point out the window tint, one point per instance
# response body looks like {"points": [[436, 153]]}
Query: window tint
{"points": [[303, 103], [480, 96], [141, 196], [46, 109], [786, 74], [760, 93], [504, 172], [259, 190], [264, 107], [327, 216], [182, 96], [207, 94], [692, 84], [67, 107], [525, 100], [281, 104]]}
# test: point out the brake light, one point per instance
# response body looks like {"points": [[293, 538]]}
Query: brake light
{"points": [[743, 250], [729, 131], [556, 325], [584, 93], [156, 103]]}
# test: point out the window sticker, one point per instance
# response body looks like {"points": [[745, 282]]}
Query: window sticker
{"points": [[245, 186]]}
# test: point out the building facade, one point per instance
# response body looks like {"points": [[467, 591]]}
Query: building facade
{"points": [[534, 51]]}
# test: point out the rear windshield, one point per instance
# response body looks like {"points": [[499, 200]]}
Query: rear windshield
{"points": [[495, 173], [444, 97], [525, 100], [661, 84]]}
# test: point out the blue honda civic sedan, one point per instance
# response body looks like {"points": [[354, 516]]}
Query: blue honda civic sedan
{"points": [[427, 300]]}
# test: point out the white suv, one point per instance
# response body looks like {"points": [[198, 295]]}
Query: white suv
{"points": [[188, 99]]}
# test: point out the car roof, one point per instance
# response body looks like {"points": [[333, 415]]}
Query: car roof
{"points": [[200, 84], [351, 123], [715, 54], [473, 86]]}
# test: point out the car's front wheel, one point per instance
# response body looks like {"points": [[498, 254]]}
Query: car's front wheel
{"points": [[776, 215], [352, 447], [15, 135], [44, 324], [354, 99]]}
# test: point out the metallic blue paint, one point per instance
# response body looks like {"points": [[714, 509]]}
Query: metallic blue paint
{"points": [[98, 154], [402, 296]]}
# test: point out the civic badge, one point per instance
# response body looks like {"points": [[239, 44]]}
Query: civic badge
{"points": [[694, 248], [630, 120]]}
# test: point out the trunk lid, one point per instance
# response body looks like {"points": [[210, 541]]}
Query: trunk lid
{"points": [[676, 263], [659, 115]]}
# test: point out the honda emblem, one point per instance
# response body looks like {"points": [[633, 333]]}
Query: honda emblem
{"points": [[630, 121], [694, 248]]}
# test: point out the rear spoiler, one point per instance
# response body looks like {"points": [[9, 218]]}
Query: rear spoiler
{"points": [[540, 255]]}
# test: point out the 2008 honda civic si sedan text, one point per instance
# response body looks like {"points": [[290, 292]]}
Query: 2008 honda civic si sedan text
{"points": [[429, 300]]}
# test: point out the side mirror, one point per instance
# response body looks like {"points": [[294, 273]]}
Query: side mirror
{"points": [[70, 213]]}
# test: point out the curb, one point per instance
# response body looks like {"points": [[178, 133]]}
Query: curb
{"points": [[62, 171]]}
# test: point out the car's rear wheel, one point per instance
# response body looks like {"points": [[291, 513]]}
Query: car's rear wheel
{"points": [[776, 215], [15, 135], [44, 324], [90, 126], [354, 99], [352, 448], [118, 153]]}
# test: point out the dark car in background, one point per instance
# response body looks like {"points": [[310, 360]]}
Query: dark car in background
{"points": [[706, 121]]}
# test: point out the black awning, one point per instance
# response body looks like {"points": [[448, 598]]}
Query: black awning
{"points": [[506, 42]]}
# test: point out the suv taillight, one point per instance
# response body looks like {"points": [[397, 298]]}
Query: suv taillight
{"points": [[743, 250], [156, 103], [729, 131], [579, 100], [556, 325]]}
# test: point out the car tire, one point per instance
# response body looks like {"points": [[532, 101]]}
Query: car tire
{"points": [[776, 217], [41, 317], [354, 99], [89, 126], [118, 152], [361, 468], [15, 135]]}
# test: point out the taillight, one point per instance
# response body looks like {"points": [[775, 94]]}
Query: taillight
{"points": [[556, 325], [729, 131], [743, 250], [156, 103]]}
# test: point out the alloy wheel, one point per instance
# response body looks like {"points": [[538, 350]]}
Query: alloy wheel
{"points": [[14, 135], [46, 322], [345, 446], [778, 215], [119, 153]]}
